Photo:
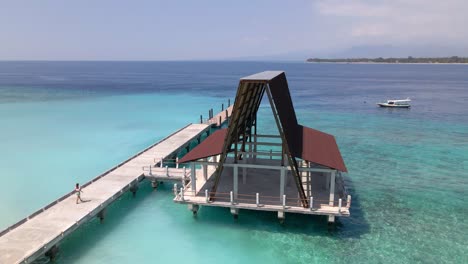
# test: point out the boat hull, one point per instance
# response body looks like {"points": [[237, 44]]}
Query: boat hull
{"points": [[393, 106]]}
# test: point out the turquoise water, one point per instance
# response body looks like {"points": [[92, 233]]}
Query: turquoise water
{"points": [[407, 168]]}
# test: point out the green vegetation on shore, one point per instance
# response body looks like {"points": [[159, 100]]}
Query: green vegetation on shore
{"points": [[453, 59]]}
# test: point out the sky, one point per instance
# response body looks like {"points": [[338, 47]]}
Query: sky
{"points": [[216, 30]]}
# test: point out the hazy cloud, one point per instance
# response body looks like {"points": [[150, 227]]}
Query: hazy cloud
{"points": [[398, 22]]}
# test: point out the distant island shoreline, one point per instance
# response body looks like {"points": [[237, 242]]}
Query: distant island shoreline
{"points": [[408, 60]]}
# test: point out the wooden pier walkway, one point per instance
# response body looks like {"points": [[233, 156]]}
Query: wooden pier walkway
{"points": [[39, 233]]}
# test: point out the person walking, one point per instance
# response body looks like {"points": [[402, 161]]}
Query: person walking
{"points": [[78, 192]]}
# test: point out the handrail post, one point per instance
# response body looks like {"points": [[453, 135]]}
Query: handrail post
{"points": [[229, 102], [222, 107], [284, 201], [161, 163], [348, 201], [311, 203], [181, 194], [177, 162], [232, 197], [167, 171], [175, 189], [257, 199], [339, 205], [201, 119], [150, 172], [206, 195]]}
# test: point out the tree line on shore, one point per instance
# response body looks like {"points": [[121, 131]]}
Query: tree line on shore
{"points": [[453, 59]]}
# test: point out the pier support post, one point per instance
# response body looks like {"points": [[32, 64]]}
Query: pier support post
{"points": [[134, 188], [348, 201], [194, 208], [235, 212], [154, 184], [281, 216], [52, 252], [101, 215], [332, 188]]}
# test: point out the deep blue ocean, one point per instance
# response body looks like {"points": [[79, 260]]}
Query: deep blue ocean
{"points": [[67, 122]]}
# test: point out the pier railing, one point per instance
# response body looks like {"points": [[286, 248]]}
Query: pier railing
{"points": [[166, 172], [261, 200]]}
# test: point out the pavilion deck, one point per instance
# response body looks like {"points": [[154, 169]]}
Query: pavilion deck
{"points": [[266, 183]]}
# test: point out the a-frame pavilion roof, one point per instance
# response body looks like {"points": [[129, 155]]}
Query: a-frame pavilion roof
{"points": [[303, 142]]}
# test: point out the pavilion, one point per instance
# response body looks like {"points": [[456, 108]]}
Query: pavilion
{"points": [[297, 170]]}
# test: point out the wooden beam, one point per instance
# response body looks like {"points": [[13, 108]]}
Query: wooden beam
{"points": [[291, 158]]}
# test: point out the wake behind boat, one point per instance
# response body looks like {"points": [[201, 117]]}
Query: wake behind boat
{"points": [[403, 103]]}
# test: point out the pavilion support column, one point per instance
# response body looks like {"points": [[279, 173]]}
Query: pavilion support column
{"points": [[205, 169], [255, 144], [282, 183], [309, 183], [236, 181], [332, 187], [244, 172], [193, 178], [287, 179]]}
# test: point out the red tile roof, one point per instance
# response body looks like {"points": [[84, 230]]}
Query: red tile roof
{"points": [[310, 144], [211, 146]]}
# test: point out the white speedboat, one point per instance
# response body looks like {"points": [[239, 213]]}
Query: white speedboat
{"points": [[404, 103]]}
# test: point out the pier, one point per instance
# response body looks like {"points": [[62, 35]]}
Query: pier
{"points": [[296, 170], [40, 233]]}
